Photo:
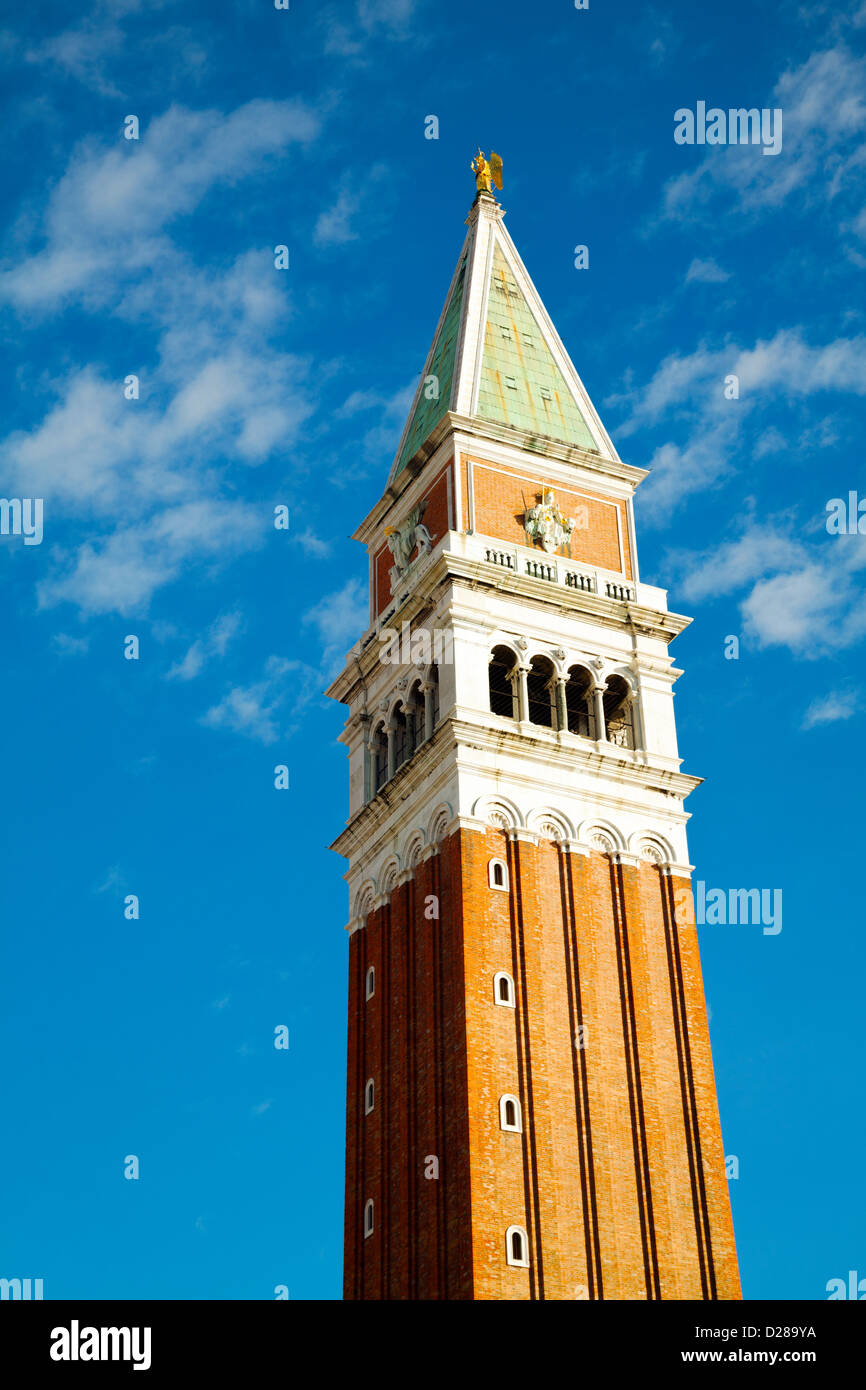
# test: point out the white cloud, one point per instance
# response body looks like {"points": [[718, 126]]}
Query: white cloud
{"points": [[806, 597], [355, 211], [119, 573], [688, 392], [340, 618], [824, 121], [106, 219], [829, 709], [771, 441], [707, 272], [214, 643], [761, 549], [254, 710], [70, 646], [150, 476], [390, 19], [334, 227]]}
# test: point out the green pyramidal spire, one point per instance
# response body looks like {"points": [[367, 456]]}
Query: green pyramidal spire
{"points": [[521, 385], [496, 355]]}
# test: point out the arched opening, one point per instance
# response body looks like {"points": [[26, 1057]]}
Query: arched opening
{"points": [[369, 1096], [401, 738], [503, 692], [619, 712], [380, 758], [433, 693], [541, 692], [368, 1218], [370, 983], [415, 717], [578, 702]]}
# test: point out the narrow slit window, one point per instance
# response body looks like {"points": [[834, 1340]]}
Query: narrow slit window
{"points": [[510, 1114], [498, 875], [517, 1247], [503, 989]]}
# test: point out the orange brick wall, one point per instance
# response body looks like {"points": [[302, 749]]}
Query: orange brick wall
{"points": [[503, 495], [618, 1176]]}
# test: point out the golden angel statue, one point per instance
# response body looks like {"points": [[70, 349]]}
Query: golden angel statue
{"points": [[487, 171]]}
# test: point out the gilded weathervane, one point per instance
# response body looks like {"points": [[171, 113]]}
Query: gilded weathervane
{"points": [[487, 171]]}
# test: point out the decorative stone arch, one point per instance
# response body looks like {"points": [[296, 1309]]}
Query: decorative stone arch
{"points": [[623, 717], [378, 754], [550, 824], [413, 849], [602, 836], [651, 848], [388, 875], [439, 822], [498, 811], [625, 672], [537, 652], [430, 692], [510, 644], [364, 899], [576, 696], [541, 691], [504, 680]]}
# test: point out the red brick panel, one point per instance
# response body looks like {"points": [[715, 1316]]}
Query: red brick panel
{"points": [[502, 497]]}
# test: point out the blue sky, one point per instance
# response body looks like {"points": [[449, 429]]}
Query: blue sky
{"points": [[259, 387]]}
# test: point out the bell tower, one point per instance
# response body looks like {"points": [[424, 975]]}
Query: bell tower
{"points": [[531, 1108]]}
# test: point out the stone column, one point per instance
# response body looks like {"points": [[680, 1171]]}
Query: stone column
{"points": [[637, 720], [598, 706], [392, 752], [522, 693], [561, 708], [410, 709], [428, 689], [367, 745]]}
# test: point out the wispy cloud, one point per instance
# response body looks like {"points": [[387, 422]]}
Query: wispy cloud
{"points": [[356, 211], [830, 709], [214, 643], [268, 709], [824, 120], [803, 595], [687, 396], [339, 618], [706, 272], [144, 472]]}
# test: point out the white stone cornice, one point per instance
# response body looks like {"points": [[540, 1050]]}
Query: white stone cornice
{"points": [[524, 836], [631, 861], [473, 823], [574, 847], [677, 870]]}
